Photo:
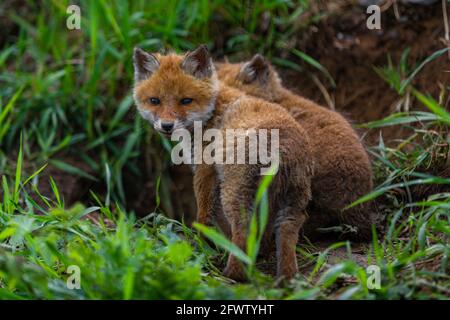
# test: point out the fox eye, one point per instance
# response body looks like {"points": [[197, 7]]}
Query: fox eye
{"points": [[186, 101], [154, 101]]}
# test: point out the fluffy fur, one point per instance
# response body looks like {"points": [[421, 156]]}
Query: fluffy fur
{"points": [[228, 190], [342, 167]]}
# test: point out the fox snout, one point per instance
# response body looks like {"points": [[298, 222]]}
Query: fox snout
{"points": [[165, 126]]}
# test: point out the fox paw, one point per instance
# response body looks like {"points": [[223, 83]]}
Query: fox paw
{"points": [[235, 271]]}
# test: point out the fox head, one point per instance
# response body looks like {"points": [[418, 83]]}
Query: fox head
{"points": [[172, 91], [256, 77]]}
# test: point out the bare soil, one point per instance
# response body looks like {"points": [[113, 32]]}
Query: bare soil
{"points": [[349, 51]]}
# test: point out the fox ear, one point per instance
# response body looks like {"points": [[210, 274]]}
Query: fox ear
{"points": [[257, 69], [198, 63], [145, 64]]}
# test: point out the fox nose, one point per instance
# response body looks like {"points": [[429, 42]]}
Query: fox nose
{"points": [[167, 126]]}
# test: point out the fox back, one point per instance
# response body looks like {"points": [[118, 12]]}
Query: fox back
{"points": [[343, 171]]}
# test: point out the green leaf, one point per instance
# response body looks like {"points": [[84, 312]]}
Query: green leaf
{"points": [[421, 237], [331, 275], [18, 171], [55, 192], [34, 174], [128, 283], [432, 104], [221, 241], [310, 60], [378, 192], [9, 106], [401, 118], [407, 82], [85, 212], [71, 169], [158, 197], [286, 64], [8, 232]]}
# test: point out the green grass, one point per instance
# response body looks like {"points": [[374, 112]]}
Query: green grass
{"points": [[159, 258], [66, 94], [73, 99]]}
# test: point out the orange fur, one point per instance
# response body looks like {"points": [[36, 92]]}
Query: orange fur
{"points": [[342, 167], [229, 189], [170, 86]]}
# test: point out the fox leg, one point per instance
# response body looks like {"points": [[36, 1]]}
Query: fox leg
{"points": [[290, 218], [287, 228], [207, 194], [234, 268], [237, 192], [341, 182], [204, 187]]}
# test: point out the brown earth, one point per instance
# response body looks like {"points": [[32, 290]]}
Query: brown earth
{"points": [[349, 51]]}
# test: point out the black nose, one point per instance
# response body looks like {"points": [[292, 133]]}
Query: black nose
{"points": [[167, 126]]}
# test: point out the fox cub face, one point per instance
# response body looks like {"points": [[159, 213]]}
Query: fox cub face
{"points": [[255, 77], [172, 91]]}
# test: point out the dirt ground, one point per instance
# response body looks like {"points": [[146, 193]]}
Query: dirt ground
{"points": [[349, 50]]}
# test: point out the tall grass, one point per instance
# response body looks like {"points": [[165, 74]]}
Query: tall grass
{"points": [[70, 90]]}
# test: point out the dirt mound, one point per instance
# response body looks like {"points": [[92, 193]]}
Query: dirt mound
{"points": [[349, 50]]}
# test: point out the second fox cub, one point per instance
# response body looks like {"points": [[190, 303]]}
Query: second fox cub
{"points": [[342, 167], [173, 91]]}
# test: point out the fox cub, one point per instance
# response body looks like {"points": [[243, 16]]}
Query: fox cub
{"points": [[342, 167], [173, 91]]}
